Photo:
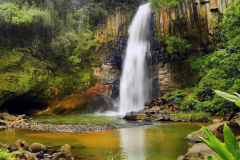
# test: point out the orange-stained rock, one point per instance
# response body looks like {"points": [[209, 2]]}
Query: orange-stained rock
{"points": [[136, 117]]}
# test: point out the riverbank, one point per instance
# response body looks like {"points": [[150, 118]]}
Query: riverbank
{"points": [[75, 128], [23, 122], [162, 110]]}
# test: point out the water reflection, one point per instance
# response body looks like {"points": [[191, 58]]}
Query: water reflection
{"points": [[132, 143], [163, 141]]}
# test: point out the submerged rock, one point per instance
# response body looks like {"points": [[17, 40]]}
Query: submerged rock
{"points": [[37, 147]]}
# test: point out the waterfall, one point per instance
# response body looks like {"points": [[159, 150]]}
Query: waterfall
{"points": [[134, 82]]}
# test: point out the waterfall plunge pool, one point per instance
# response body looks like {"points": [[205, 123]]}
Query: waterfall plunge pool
{"points": [[161, 141]]}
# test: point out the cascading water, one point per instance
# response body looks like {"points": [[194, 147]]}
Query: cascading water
{"points": [[134, 82]]}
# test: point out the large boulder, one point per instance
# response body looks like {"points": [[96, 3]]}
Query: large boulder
{"points": [[37, 147], [216, 129], [64, 153]]}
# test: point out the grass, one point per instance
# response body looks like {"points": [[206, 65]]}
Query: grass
{"points": [[193, 116]]}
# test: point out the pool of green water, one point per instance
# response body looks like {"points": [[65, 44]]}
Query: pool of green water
{"points": [[161, 141]]}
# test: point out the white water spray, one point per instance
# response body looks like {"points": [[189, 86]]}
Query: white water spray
{"points": [[134, 82]]}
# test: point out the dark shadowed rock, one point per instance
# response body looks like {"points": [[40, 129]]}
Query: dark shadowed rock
{"points": [[40, 155], [26, 155], [3, 123]]}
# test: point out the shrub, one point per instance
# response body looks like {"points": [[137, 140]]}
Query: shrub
{"points": [[164, 3], [24, 15], [176, 97], [230, 25], [5, 155], [178, 48]]}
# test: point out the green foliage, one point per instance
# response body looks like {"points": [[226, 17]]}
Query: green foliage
{"points": [[193, 116], [178, 48], [220, 72], [50, 45], [176, 97], [230, 25], [73, 49], [167, 4], [229, 150], [196, 62], [5, 155], [24, 15], [20, 73]]}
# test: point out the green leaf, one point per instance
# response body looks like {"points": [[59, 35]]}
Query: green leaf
{"points": [[227, 96], [219, 147], [231, 142], [237, 94], [237, 103]]}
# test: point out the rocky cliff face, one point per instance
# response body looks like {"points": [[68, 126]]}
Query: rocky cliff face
{"points": [[196, 20]]}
